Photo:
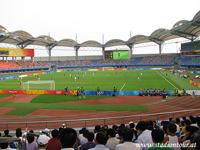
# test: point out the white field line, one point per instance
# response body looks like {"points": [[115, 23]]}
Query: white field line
{"points": [[123, 86], [167, 80]]}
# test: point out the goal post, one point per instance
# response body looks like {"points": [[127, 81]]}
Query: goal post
{"points": [[39, 85]]}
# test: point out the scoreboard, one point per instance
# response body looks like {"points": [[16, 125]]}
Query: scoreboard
{"points": [[190, 47], [108, 55], [117, 55]]}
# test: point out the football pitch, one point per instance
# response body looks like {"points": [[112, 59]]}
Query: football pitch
{"points": [[90, 80], [106, 80]]}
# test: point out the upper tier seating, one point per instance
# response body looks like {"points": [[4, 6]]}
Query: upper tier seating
{"points": [[158, 60], [9, 64]]}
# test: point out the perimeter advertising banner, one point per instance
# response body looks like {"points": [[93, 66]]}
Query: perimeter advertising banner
{"points": [[38, 92], [74, 92], [16, 52]]}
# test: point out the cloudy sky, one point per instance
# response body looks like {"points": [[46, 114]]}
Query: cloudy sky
{"points": [[89, 19]]}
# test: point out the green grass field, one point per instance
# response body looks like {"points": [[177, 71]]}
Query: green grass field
{"points": [[106, 80], [90, 80], [62, 98], [26, 108]]}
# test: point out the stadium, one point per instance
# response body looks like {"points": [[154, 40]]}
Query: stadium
{"points": [[111, 88]]}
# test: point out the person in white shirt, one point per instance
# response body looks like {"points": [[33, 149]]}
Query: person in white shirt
{"points": [[100, 140], [171, 137], [127, 144], [82, 136], [144, 136], [68, 138], [112, 141]]}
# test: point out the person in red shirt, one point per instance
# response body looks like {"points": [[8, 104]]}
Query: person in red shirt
{"points": [[54, 142]]}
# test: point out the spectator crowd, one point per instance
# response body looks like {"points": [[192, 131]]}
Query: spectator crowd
{"points": [[178, 134]]}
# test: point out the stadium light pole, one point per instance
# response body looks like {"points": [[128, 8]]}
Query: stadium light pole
{"points": [[130, 45], [103, 48], [76, 48], [103, 52], [50, 47], [160, 47]]}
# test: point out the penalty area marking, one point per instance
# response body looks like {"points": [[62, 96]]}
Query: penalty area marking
{"points": [[123, 86], [167, 81]]}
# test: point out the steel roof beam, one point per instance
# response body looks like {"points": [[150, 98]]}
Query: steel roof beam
{"points": [[2, 38], [184, 35]]}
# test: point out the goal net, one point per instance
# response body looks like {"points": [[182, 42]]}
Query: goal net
{"points": [[39, 85]]}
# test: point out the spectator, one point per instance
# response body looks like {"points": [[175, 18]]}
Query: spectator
{"points": [[18, 133], [19, 144], [83, 136], [193, 121], [31, 144], [54, 142], [90, 143], [178, 123], [112, 140], [5, 146], [188, 133], [150, 125], [158, 138], [6, 133], [115, 127], [132, 127], [144, 135], [101, 140], [43, 139], [97, 129], [171, 137], [196, 140], [127, 144], [68, 138]]}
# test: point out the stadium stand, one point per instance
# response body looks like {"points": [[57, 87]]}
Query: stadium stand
{"points": [[9, 64], [158, 60], [187, 60], [175, 133]]}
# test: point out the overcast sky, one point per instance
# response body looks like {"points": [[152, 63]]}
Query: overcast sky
{"points": [[92, 18]]}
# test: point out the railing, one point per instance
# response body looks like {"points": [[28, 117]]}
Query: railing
{"points": [[94, 121]]}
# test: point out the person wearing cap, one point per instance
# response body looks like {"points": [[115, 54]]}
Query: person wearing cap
{"points": [[112, 140], [43, 139]]}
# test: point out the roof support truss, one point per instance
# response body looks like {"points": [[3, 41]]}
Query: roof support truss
{"points": [[184, 35]]}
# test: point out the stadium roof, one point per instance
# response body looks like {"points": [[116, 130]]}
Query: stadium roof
{"points": [[43, 40], [196, 17], [161, 35], [3, 30], [114, 42], [186, 29], [91, 43], [183, 28], [67, 43], [138, 39]]}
